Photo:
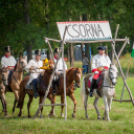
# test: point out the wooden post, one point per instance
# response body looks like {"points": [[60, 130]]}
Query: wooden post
{"points": [[125, 79], [117, 28], [65, 101], [122, 74], [48, 88]]}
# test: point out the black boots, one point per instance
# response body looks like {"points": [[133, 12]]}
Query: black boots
{"points": [[92, 87], [54, 86]]}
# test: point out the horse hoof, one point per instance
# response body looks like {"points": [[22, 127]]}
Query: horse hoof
{"points": [[99, 118], [108, 120], [29, 116], [87, 117], [41, 116], [6, 115], [73, 115], [62, 115], [49, 115]]}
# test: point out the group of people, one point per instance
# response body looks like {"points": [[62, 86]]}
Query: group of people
{"points": [[9, 62], [100, 62]]}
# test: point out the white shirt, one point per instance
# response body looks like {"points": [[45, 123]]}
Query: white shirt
{"points": [[34, 73], [8, 61], [100, 61], [60, 65], [59, 68]]}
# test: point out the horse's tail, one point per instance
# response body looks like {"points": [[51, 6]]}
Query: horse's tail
{"points": [[21, 93], [83, 93]]}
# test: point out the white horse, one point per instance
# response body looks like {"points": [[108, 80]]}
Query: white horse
{"points": [[108, 91]]}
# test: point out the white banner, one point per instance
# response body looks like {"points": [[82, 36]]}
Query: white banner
{"points": [[85, 30]]}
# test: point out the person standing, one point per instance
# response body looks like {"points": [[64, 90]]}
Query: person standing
{"points": [[85, 64]]}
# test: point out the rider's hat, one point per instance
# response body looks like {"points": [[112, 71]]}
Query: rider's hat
{"points": [[38, 52], [7, 49], [101, 48], [56, 50]]}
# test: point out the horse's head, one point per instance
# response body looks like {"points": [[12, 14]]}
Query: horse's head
{"points": [[77, 76], [4, 75], [113, 73], [21, 63], [51, 67]]}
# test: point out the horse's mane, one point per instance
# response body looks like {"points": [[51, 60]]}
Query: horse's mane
{"points": [[15, 67]]}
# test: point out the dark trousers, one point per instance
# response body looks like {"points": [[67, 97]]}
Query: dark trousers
{"points": [[55, 83], [35, 87]]}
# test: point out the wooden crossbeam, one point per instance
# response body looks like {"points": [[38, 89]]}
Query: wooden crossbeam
{"points": [[92, 41], [122, 100]]}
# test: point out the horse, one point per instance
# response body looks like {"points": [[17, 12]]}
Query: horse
{"points": [[107, 91], [3, 82], [72, 74], [30, 92], [16, 78]]}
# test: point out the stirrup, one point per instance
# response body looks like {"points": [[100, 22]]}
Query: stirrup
{"points": [[91, 94]]}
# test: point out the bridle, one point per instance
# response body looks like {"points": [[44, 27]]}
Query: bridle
{"points": [[111, 78]]}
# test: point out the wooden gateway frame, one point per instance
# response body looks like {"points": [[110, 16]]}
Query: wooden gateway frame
{"points": [[113, 42]]}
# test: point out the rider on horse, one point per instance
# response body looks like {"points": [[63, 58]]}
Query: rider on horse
{"points": [[34, 72], [59, 69], [100, 62], [8, 61]]}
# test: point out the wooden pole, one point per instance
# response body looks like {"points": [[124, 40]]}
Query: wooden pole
{"points": [[125, 79], [122, 48], [122, 74], [65, 101], [117, 28], [48, 88], [51, 50]]}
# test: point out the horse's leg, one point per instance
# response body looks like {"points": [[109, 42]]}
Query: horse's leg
{"points": [[85, 105], [3, 110], [106, 107], [41, 98], [110, 102], [75, 103], [16, 100], [96, 108], [4, 103], [22, 96], [52, 99], [62, 107], [28, 105]]}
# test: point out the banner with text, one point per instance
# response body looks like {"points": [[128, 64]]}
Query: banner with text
{"points": [[85, 30]]}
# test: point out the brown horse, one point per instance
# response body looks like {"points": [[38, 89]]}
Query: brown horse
{"points": [[23, 90], [16, 78], [3, 82], [72, 74]]}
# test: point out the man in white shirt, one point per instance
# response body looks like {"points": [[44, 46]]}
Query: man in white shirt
{"points": [[8, 61], [99, 62], [59, 69], [34, 72]]}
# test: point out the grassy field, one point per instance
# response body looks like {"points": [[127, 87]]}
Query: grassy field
{"points": [[122, 115]]}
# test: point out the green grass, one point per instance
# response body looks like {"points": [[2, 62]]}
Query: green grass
{"points": [[122, 119]]}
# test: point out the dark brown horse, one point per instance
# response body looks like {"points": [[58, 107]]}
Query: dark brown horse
{"points": [[16, 78], [30, 92]]}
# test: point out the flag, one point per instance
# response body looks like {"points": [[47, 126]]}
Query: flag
{"points": [[132, 54]]}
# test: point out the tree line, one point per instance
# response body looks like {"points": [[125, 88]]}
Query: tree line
{"points": [[24, 23]]}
